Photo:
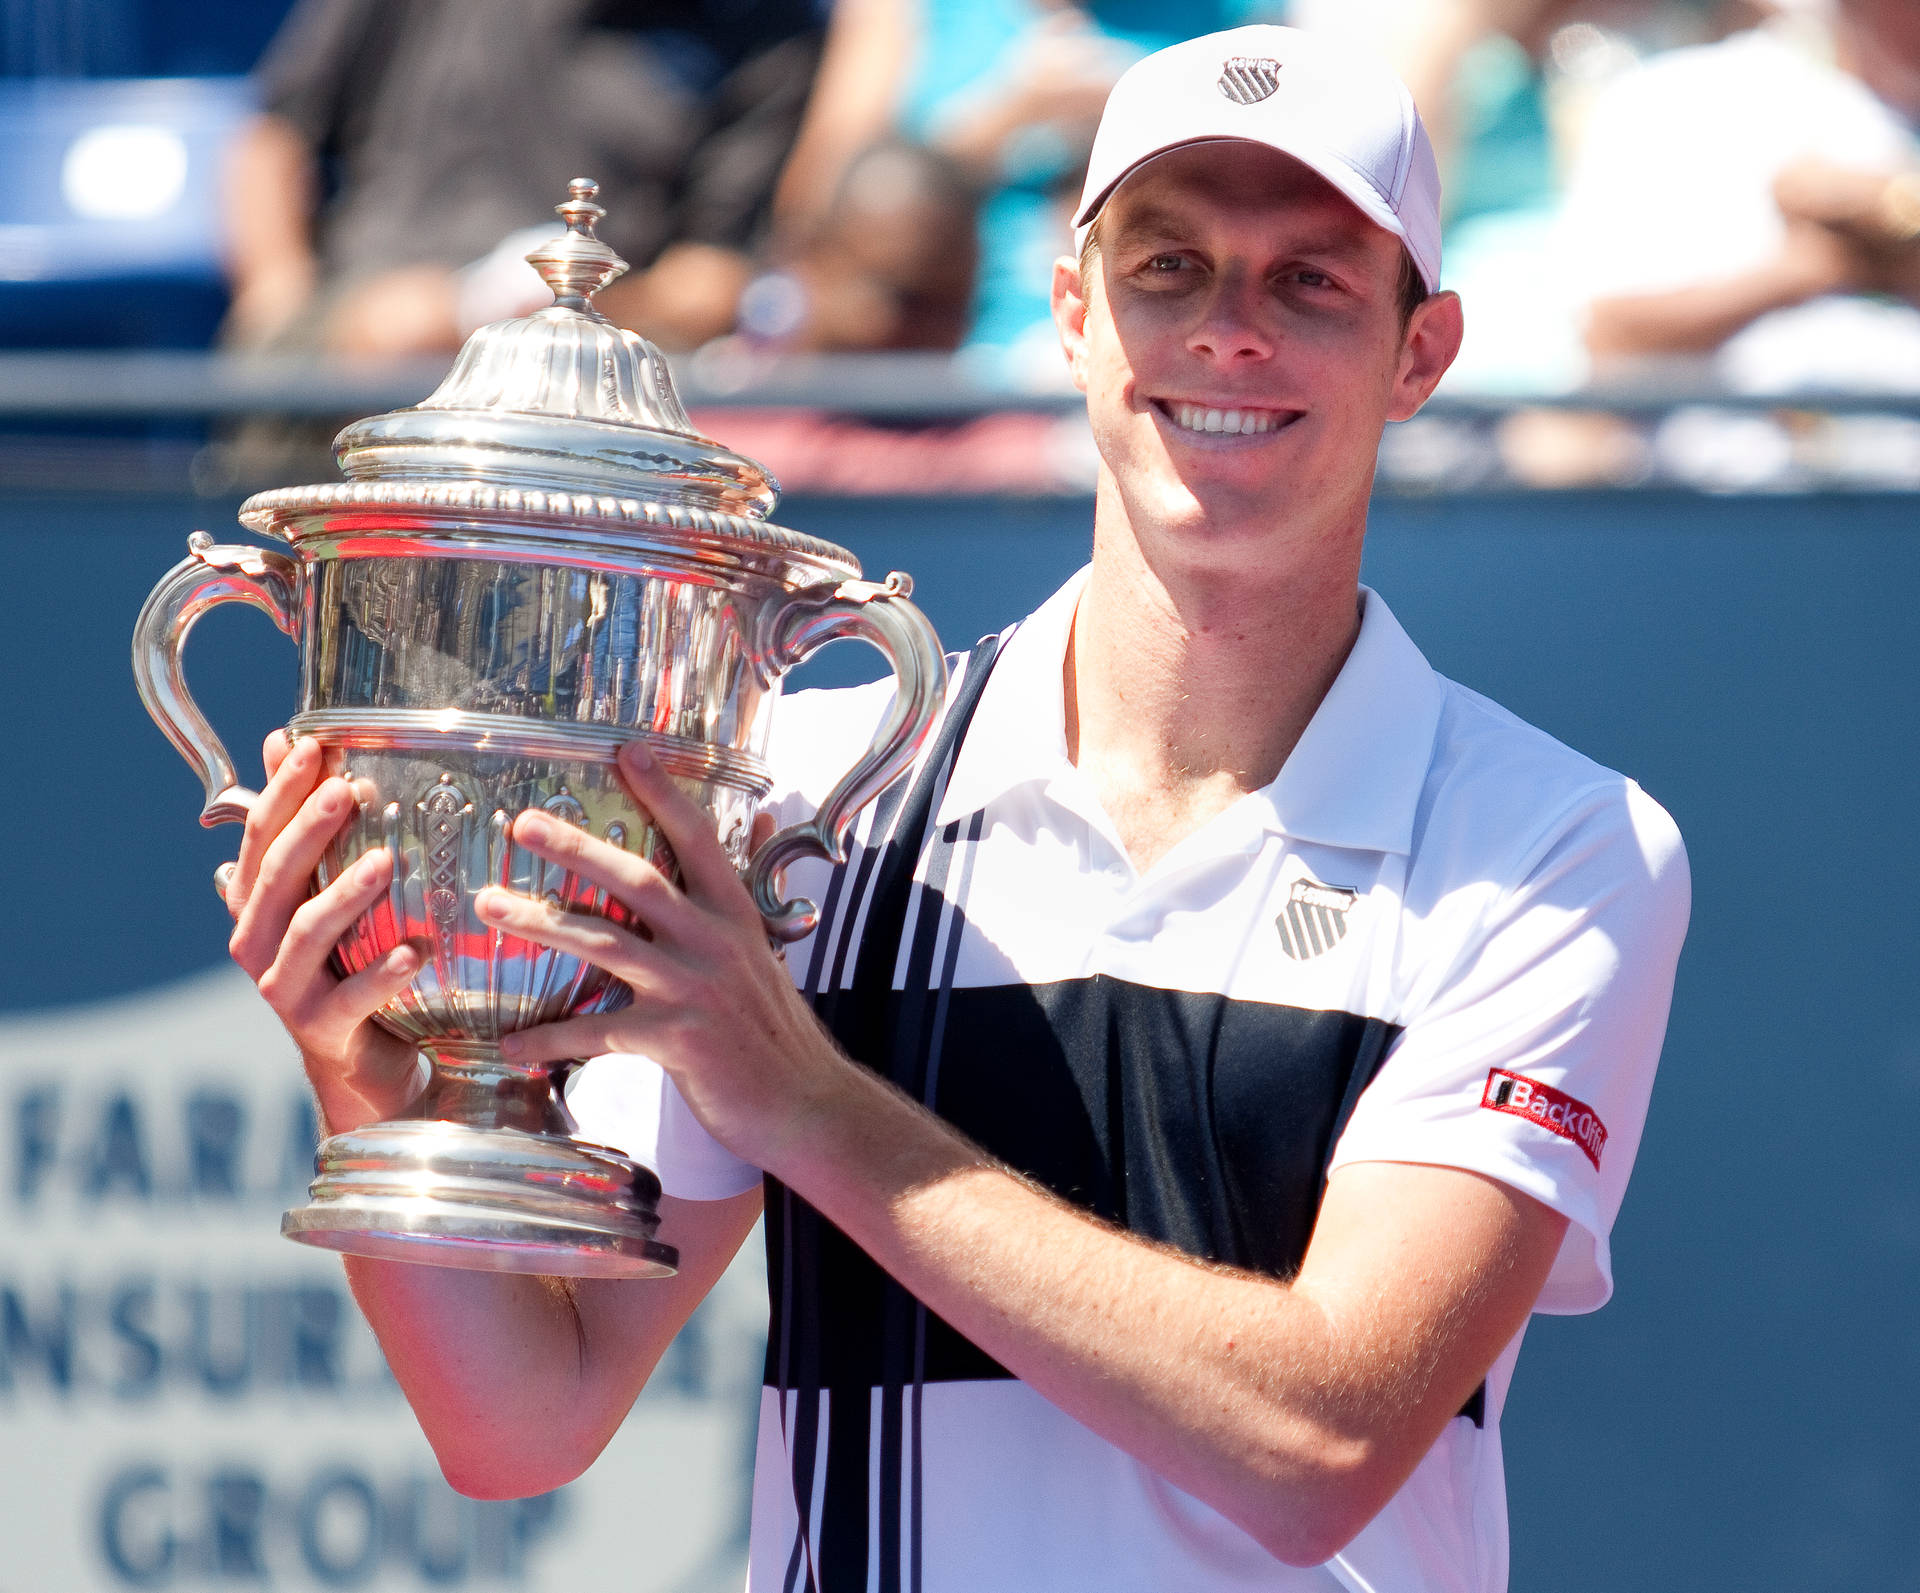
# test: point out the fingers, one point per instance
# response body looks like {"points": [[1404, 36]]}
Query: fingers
{"points": [[274, 750], [299, 974], [352, 1001], [706, 874], [633, 880], [291, 775], [319, 1009], [583, 935], [764, 824], [283, 879], [576, 1037]]}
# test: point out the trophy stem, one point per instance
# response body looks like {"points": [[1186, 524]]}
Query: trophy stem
{"points": [[483, 1174], [472, 1083]]}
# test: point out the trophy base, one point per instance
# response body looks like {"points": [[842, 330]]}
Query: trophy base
{"points": [[484, 1199]]}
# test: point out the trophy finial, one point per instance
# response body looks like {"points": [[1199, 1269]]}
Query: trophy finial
{"points": [[577, 265]]}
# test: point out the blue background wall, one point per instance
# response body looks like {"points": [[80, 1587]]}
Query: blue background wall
{"points": [[1742, 1415]]}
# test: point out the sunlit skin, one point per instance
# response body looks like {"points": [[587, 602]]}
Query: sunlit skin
{"points": [[1222, 598], [1221, 601], [1233, 277]]}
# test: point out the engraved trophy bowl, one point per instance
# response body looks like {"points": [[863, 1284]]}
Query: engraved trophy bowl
{"points": [[540, 562]]}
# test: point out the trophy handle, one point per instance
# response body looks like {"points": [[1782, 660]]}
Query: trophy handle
{"points": [[208, 576], [878, 613]]}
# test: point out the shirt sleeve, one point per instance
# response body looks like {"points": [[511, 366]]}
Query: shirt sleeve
{"points": [[308, 71], [628, 1102], [1532, 1060]]}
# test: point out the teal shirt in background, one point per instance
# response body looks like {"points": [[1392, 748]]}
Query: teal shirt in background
{"points": [[1506, 147], [968, 48]]}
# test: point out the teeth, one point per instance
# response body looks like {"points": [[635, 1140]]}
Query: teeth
{"points": [[1235, 422]]}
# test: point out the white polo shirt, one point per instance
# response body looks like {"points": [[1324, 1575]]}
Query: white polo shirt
{"points": [[1438, 937]]}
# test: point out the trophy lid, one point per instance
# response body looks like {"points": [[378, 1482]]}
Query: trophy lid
{"points": [[567, 360], [557, 412]]}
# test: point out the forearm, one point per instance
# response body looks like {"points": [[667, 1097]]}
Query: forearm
{"points": [[365, 1088], [269, 200], [851, 106], [495, 1368], [1264, 1400], [977, 139], [1297, 1409], [519, 1382]]}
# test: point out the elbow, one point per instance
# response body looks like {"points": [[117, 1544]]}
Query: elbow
{"points": [[483, 1465], [1311, 1537], [1311, 1540], [1316, 1511], [511, 1476]]}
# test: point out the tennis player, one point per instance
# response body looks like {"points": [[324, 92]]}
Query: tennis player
{"points": [[1209, 1057]]}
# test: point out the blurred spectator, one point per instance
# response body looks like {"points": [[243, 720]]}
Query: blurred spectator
{"points": [[888, 265], [1758, 200], [1504, 86], [403, 140], [1002, 94]]}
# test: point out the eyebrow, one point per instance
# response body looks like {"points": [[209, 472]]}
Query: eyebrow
{"points": [[1150, 221], [1156, 220]]}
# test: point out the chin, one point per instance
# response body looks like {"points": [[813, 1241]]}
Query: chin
{"points": [[1193, 531]]}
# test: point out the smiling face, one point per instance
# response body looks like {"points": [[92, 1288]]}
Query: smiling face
{"points": [[1241, 346]]}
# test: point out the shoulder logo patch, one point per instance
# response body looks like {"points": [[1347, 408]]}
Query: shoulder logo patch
{"points": [[1249, 79], [1314, 919], [1554, 1110]]}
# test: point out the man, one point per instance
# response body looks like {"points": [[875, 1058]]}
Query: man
{"points": [[1758, 200], [401, 141], [1287, 1013]]}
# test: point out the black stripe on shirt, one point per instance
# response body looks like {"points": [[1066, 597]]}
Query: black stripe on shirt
{"points": [[1189, 1118]]}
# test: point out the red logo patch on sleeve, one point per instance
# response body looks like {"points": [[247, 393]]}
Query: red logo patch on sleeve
{"points": [[1554, 1110]]}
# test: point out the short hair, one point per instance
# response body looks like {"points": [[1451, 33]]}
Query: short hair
{"points": [[1410, 291]]}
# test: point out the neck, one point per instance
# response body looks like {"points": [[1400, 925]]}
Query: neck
{"points": [[1186, 686]]}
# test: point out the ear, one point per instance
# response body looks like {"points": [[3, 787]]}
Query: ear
{"points": [[1431, 341], [1070, 316]]}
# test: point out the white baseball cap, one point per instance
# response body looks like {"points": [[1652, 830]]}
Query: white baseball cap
{"points": [[1332, 107]]}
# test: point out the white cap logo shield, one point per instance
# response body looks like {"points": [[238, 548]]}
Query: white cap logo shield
{"points": [[1248, 79], [1344, 115]]}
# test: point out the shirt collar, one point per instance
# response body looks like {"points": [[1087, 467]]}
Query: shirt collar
{"points": [[1354, 780], [1019, 730], [1355, 777]]}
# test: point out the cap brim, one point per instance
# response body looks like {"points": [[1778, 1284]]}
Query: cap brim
{"points": [[1353, 187]]}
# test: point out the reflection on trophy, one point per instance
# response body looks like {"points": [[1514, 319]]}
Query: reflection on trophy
{"points": [[538, 564]]}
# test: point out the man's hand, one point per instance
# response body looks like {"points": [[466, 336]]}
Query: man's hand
{"points": [[283, 937], [517, 1384], [712, 1003]]}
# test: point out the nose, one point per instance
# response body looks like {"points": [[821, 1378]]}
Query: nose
{"points": [[1231, 325]]}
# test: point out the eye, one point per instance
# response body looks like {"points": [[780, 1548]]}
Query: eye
{"points": [[1163, 264]]}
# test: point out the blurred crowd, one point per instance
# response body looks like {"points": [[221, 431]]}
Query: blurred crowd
{"points": [[1634, 188]]}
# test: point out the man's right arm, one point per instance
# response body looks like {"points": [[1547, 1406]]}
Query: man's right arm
{"points": [[518, 1382]]}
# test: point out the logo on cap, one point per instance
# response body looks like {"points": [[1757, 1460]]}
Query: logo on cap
{"points": [[1248, 79], [1314, 919]]}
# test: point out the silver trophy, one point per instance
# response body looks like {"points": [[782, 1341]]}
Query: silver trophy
{"points": [[539, 563]]}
